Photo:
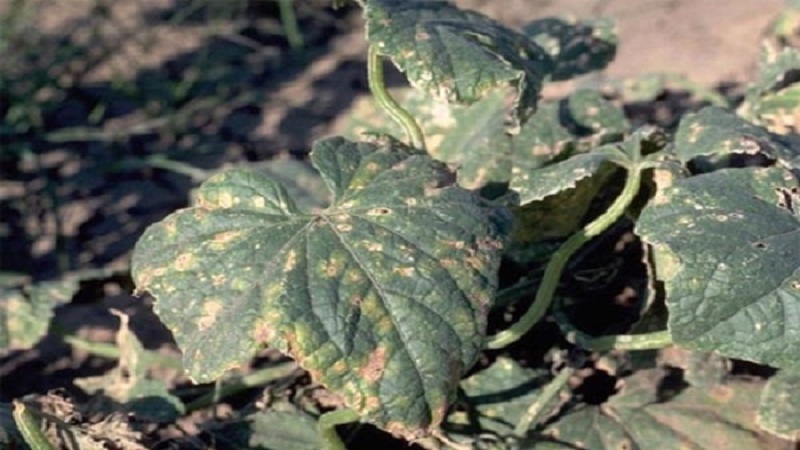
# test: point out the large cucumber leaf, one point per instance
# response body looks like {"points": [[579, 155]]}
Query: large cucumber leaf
{"points": [[456, 54], [641, 417], [382, 297], [726, 246]]}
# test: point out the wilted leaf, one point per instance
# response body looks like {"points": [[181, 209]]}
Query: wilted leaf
{"points": [[498, 396], [779, 408], [129, 385], [727, 253], [455, 54], [576, 47], [639, 417], [710, 137], [382, 296]]}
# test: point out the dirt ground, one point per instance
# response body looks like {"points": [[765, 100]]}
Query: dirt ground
{"points": [[209, 93]]}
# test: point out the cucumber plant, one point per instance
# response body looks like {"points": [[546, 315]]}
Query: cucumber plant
{"points": [[384, 293]]}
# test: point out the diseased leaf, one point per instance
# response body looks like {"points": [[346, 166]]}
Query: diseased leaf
{"points": [[382, 296], [130, 386], [576, 47], [727, 252], [773, 100], [475, 142], [364, 117], [484, 153], [478, 145], [550, 180], [498, 397], [302, 182], [457, 55], [699, 369], [779, 408], [712, 136], [639, 417]]}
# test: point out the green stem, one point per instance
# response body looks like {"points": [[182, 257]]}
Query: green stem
{"points": [[648, 341], [534, 412], [390, 105], [327, 427], [258, 378], [289, 23], [552, 274], [29, 428]]}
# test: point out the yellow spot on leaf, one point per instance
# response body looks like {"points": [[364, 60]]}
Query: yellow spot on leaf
{"points": [[259, 201], [404, 271], [291, 261]]}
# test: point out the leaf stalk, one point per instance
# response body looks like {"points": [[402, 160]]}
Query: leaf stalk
{"points": [[402, 117]]}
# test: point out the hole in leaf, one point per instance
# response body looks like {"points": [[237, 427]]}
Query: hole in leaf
{"points": [[760, 245], [597, 388]]}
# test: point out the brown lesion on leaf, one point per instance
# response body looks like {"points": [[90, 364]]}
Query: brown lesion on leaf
{"points": [[695, 130], [211, 310], [185, 261], [145, 277], [376, 365], [379, 212], [458, 245], [333, 267], [448, 263], [406, 272], [374, 246], [217, 280], [355, 300], [263, 331]]}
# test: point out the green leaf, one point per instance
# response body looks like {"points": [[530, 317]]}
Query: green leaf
{"points": [[302, 182], [779, 408], [484, 152], [576, 47], [710, 137], [25, 314], [456, 54], [271, 430], [382, 296], [498, 397], [478, 145], [640, 417], [536, 185], [727, 250]]}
